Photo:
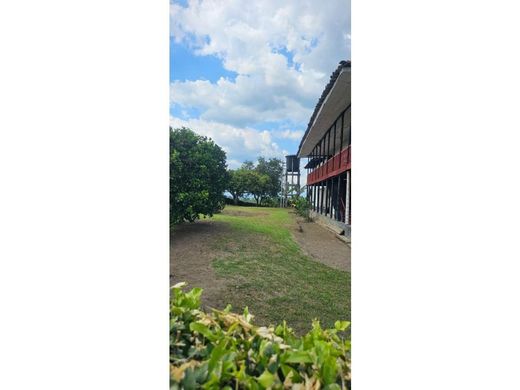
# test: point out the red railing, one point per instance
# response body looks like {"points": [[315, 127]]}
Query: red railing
{"points": [[339, 163]]}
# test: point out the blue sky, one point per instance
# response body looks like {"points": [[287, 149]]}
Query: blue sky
{"points": [[248, 74]]}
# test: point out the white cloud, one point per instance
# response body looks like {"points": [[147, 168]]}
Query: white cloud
{"points": [[294, 135], [233, 164], [239, 143], [246, 101], [257, 40]]}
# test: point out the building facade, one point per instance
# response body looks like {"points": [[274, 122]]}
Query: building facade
{"points": [[326, 145]]}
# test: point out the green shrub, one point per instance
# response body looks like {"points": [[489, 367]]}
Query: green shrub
{"points": [[224, 350], [302, 206], [271, 201]]}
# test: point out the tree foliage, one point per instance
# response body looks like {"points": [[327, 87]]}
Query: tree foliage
{"points": [[258, 185], [248, 165], [198, 176], [261, 181], [273, 168], [237, 183]]}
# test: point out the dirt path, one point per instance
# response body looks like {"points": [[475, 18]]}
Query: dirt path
{"points": [[191, 254], [322, 245]]}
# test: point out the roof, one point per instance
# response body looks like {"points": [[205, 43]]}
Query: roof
{"points": [[342, 65]]}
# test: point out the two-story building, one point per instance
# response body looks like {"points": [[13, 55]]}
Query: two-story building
{"points": [[326, 145]]}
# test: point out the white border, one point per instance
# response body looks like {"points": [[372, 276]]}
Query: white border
{"points": [[84, 210], [84, 204], [435, 129]]}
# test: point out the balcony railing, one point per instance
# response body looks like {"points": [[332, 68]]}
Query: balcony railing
{"points": [[335, 165]]}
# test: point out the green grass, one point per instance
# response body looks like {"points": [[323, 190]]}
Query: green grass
{"points": [[266, 271]]}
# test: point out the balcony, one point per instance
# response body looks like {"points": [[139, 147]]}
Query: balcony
{"points": [[335, 165]]}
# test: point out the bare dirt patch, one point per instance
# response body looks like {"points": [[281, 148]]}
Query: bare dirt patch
{"points": [[240, 213], [192, 250], [321, 245]]}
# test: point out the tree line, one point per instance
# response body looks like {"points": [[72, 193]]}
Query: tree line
{"points": [[262, 181], [199, 177]]}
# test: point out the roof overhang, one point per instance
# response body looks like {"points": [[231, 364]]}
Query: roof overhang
{"points": [[336, 101]]}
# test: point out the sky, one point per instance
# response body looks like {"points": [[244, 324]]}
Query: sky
{"points": [[248, 74]]}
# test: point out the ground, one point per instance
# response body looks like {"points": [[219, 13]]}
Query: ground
{"points": [[322, 245], [266, 259]]}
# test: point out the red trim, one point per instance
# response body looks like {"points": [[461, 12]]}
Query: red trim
{"points": [[339, 163]]}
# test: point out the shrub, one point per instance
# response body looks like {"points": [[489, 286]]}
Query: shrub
{"points": [[271, 201], [302, 206], [231, 201], [224, 350]]}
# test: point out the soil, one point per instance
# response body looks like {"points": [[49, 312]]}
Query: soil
{"points": [[191, 254], [193, 249], [240, 213], [321, 244]]}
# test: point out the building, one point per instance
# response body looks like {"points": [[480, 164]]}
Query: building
{"points": [[326, 145]]}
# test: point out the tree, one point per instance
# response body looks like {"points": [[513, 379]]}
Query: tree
{"points": [[248, 165], [257, 185], [198, 176], [273, 168], [263, 180], [237, 183]]}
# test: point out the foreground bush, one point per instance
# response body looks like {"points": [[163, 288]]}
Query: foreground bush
{"points": [[224, 350]]}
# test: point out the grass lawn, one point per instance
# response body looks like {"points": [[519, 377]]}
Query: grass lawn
{"points": [[265, 270]]}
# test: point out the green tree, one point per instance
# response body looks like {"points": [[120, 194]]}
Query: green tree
{"points": [[273, 168], [263, 180], [237, 183], [257, 185], [198, 176], [248, 165]]}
